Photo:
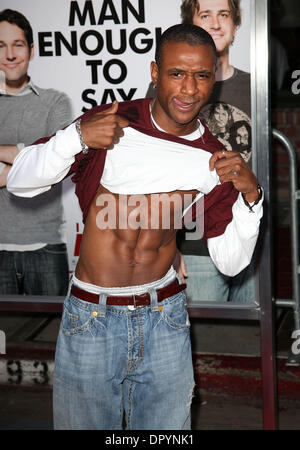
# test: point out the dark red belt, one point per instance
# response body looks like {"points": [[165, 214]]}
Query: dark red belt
{"points": [[134, 300]]}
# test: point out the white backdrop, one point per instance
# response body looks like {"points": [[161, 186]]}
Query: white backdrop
{"points": [[100, 50]]}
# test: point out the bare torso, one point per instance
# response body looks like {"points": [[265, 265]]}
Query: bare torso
{"points": [[138, 244]]}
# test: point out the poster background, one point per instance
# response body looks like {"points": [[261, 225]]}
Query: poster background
{"points": [[71, 74]]}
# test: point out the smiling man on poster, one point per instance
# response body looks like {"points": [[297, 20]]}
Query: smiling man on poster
{"points": [[228, 117], [123, 353], [33, 254]]}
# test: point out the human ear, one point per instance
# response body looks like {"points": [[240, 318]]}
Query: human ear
{"points": [[154, 72]]}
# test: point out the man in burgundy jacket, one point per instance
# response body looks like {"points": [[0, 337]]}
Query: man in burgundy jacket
{"points": [[123, 353]]}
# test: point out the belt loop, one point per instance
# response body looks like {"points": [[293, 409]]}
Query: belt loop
{"points": [[134, 302], [102, 304], [178, 278], [153, 300]]}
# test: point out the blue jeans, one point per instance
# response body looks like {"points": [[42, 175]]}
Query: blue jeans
{"points": [[39, 272], [206, 283], [114, 365]]}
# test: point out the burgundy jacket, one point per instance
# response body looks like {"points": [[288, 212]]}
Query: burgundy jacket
{"points": [[87, 169]]}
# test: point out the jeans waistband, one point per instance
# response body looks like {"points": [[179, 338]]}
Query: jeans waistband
{"points": [[132, 300], [127, 290]]}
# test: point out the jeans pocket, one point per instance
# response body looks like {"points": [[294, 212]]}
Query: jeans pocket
{"points": [[174, 312], [75, 320]]}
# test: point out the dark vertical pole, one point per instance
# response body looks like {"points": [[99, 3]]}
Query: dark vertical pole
{"points": [[261, 136]]}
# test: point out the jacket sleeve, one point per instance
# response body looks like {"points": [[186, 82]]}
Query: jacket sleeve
{"points": [[232, 251], [37, 167], [46, 162], [229, 229]]}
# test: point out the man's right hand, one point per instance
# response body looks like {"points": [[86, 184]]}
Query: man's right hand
{"points": [[103, 130], [8, 153]]}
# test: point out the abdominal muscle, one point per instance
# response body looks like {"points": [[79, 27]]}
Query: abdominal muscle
{"points": [[129, 240]]}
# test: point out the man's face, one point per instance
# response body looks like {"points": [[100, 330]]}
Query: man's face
{"points": [[14, 53], [216, 18], [183, 82], [242, 136], [221, 116]]}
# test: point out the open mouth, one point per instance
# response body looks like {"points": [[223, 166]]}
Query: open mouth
{"points": [[184, 106]]}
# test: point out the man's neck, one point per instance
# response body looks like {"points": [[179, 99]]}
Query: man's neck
{"points": [[224, 69], [13, 87], [179, 130]]}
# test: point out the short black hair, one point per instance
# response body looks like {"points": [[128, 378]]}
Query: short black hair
{"points": [[191, 34], [16, 18], [239, 124]]}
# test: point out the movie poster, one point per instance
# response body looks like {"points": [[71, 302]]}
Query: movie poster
{"points": [[98, 51]]}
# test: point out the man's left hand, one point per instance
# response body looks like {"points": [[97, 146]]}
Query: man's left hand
{"points": [[230, 166]]}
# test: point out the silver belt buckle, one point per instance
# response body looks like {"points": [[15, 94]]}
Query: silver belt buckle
{"points": [[135, 306], [134, 302]]}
